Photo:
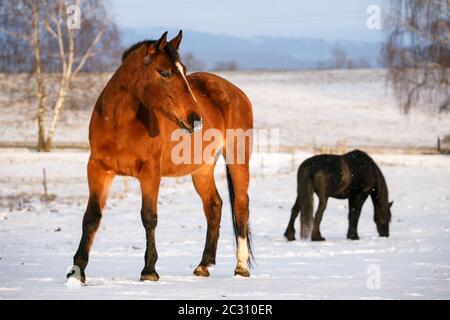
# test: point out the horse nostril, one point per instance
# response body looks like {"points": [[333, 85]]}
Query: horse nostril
{"points": [[193, 117], [195, 121]]}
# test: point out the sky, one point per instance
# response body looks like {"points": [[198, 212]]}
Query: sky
{"points": [[326, 19]]}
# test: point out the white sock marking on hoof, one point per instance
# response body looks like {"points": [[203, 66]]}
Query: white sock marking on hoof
{"points": [[242, 253], [74, 280]]}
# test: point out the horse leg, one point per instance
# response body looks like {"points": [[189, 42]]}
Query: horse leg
{"points": [[290, 230], [212, 205], [99, 181], [316, 236], [306, 200], [240, 177], [355, 204], [149, 180]]}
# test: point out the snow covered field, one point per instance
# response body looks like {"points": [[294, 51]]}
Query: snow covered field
{"points": [[38, 239], [310, 108], [344, 107]]}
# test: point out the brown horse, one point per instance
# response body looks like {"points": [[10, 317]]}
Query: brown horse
{"points": [[147, 99]]}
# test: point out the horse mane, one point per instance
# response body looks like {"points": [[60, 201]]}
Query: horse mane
{"points": [[382, 190], [380, 194], [381, 182], [169, 49]]}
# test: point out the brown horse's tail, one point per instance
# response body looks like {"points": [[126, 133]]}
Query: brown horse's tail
{"points": [[233, 217]]}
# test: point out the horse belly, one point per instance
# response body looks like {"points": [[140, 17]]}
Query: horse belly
{"points": [[171, 170], [124, 151], [190, 153]]}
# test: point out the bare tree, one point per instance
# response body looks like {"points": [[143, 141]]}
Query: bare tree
{"points": [[226, 66], [417, 52], [363, 63], [42, 26], [339, 58], [192, 63]]}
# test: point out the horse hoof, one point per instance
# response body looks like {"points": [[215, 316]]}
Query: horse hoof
{"points": [[76, 274], [353, 237], [201, 271], [242, 272], [150, 277], [289, 236], [317, 238]]}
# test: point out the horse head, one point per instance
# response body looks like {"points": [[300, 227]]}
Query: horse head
{"points": [[383, 218], [161, 81]]}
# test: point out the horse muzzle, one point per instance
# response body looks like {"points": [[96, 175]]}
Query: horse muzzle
{"points": [[383, 230], [194, 124]]}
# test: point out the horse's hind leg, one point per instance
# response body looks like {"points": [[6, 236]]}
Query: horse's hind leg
{"points": [[316, 236], [355, 206], [306, 208], [240, 177], [99, 183], [290, 230], [212, 205]]}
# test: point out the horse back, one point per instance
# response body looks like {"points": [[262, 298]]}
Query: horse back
{"points": [[326, 171], [341, 176], [234, 105], [363, 169]]}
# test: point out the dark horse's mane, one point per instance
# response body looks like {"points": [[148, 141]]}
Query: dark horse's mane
{"points": [[381, 184], [169, 49]]}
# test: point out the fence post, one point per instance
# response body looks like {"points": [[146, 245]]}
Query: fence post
{"points": [[44, 183]]}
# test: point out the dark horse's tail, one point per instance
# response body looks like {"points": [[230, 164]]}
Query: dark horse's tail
{"points": [[305, 192], [233, 217]]}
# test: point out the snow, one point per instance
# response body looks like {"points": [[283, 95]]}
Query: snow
{"points": [[38, 238], [333, 107], [309, 108]]}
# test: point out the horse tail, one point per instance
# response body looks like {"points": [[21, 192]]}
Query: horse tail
{"points": [[233, 217], [305, 191]]}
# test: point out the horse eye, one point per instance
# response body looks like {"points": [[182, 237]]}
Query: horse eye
{"points": [[165, 74]]}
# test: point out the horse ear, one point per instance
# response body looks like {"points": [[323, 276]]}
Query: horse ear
{"points": [[391, 203], [161, 43], [175, 42]]}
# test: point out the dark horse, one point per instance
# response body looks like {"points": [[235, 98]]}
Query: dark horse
{"points": [[352, 176], [148, 99]]}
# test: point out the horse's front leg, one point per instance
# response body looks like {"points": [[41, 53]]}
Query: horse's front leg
{"points": [[149, 179], [99, 181], [355, 206], [316, 235]]}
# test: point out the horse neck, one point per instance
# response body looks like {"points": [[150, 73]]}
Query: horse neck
{"points": [[380, 195], [119, 106]]}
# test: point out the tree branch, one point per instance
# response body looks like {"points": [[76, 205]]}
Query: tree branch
{"points": [[50, 30], [430, 37], [16, 35], [88, 52]]}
